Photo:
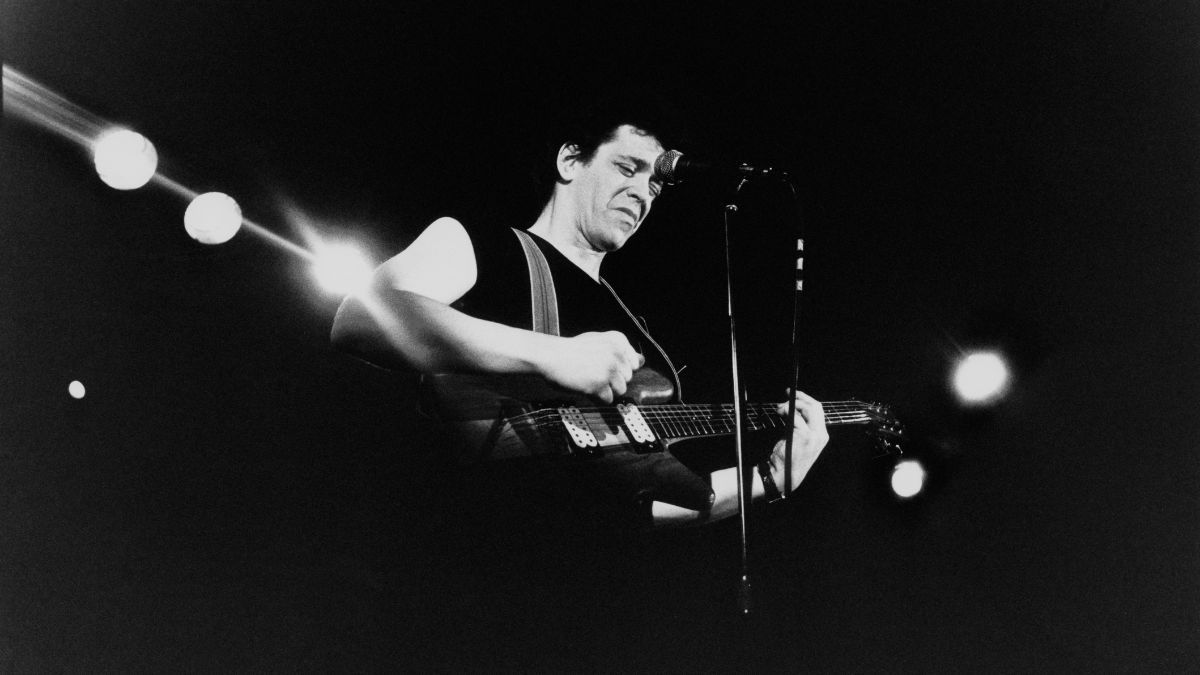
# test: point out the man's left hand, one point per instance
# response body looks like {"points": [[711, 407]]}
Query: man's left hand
{"points": [[809, 437]]}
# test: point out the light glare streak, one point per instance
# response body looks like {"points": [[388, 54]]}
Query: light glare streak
{"points": [[31, 101], [172, 186], [279, 241]]}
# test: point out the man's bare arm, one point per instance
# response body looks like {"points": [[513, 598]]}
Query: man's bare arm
{"points": [[405, 321]]}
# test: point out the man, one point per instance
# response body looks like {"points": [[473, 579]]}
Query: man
{"points": [[442, 305]]}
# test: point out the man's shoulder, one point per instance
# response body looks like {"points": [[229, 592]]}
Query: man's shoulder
{"points": [[486, 236], [448, 238]]}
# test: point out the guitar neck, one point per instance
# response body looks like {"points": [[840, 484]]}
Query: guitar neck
{"points": [[671, 422], [513, 416]]}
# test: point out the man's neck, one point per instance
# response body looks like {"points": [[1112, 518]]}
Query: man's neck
{"points": [[563, 235]]}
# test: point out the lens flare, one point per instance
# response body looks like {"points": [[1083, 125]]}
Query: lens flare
{"points": [[212, 218], [981, 378], [341, 269], [125, 159], [908, 479]]}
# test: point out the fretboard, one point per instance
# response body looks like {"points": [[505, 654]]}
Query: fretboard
{"points": [[693, 420]]}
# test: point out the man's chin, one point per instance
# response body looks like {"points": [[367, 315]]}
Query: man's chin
{"points": [[616, 242], [623, 232], [614, 237]]}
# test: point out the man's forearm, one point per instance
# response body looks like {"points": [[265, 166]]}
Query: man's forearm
{"points": [[725, 502], [401, 329]]}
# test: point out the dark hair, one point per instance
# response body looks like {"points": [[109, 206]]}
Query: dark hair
{"points": [[591, 121]]}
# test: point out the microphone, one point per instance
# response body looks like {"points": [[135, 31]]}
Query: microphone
{"points": [[672, 167]]}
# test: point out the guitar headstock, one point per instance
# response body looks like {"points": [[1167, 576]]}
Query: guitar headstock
{"points": [[886, 431]]}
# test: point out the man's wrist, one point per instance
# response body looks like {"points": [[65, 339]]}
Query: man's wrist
{"points": [[770, 487]]}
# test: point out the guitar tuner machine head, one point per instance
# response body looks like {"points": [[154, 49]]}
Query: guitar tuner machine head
{"points": [[885, 429]]}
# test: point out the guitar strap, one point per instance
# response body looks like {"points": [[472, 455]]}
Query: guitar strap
{"points": [[543, 300]]}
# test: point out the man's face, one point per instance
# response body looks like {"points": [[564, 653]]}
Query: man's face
{"points": [[613, 192]]}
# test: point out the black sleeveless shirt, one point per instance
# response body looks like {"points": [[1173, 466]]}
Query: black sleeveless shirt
{"points": [[619, 487], [501, 294]]}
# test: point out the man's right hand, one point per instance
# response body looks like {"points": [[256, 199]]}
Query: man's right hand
{"points": [[596, 364]]}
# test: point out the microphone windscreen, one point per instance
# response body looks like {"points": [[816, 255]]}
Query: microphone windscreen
{"points": [[664, 166]]}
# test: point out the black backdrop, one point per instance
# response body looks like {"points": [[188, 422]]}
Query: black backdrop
{"points": [[233, 494]]}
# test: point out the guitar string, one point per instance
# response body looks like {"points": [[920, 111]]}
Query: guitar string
{"points": [[677, 428], [700, 414], [690, 410], [677, 423], [667, 431], [697, 413], [687, 421]]}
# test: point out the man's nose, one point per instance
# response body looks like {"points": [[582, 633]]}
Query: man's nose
{"points": [[641, 193]]}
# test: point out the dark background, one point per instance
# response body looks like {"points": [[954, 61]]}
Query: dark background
{"points": [[233, 494]]}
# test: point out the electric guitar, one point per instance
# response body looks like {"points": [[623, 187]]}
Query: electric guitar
{"points": [[524, 416]]}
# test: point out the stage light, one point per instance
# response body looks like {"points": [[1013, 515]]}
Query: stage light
{"points": [[212, 218], [908, 478], [981, 378], [341, 269], [125, 160], [76, 389]]}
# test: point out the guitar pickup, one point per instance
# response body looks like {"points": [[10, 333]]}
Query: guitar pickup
{"points": [[637, 427], [577, 428]]}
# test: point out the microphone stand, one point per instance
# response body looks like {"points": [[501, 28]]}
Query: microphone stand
{"points": [[795, 374], [743, 473], [743, 487]]}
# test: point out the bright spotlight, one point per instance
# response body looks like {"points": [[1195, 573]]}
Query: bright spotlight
{"points": [[981, 378], [908, 478], [342, 269], [212, 218], [125, 160], [76, 389]]}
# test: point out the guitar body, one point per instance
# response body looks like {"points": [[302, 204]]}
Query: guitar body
{"points": [[512, 416]]}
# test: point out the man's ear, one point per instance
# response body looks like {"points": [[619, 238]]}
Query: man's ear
{"points": [[568, 161]]}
